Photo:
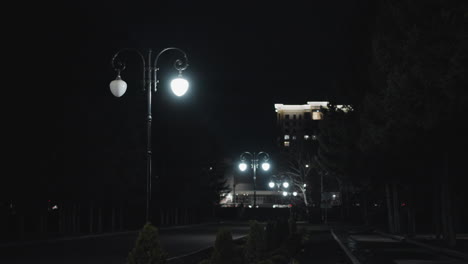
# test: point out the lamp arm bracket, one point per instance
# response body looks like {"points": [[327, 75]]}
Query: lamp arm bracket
{"points": [[118, 65]]}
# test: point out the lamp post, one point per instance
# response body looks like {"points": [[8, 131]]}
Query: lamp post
{"points": [[278, 182], [254, 165], [150, 83]]}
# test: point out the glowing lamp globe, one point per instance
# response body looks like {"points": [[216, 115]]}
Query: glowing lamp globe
{"points": [[242, 166], [179, 86], [118, 87], [265, 166]]}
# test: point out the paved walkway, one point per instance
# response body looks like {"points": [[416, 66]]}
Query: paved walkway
{"points": [[321, 247], [373, 248]]}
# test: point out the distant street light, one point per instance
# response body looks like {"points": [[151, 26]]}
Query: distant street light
{"points": [[254, 158], [265, 166], [278, 181], [242, 166], [150, 82]]}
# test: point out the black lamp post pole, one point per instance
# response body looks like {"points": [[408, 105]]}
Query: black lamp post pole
{"points": [[254, 164], [150, 84]]}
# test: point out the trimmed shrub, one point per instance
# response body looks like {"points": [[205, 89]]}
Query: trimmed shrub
{"points": [[305, 235], [254, 248], [279, 259], [282, 230], [281, 251], [271, 242], [292, 226], [225, 251], [266, 261], [147, 248]]}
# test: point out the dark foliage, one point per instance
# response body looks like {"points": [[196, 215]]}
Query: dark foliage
{"points": [[147, 248]]}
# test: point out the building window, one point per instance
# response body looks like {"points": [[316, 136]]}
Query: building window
{"points": [[294, 117], [307, 116], [286, 137], [306, 137], [286, 143], [300, 117], [317, 115], [314, 137], [286, 116], [294, 137]]}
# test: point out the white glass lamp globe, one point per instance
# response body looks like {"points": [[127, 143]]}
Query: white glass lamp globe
{"points": [[242, 166], [118, 87], [179, 86], [295, 193], [285, 184], [285, 193], [265, 166], [271, 184]]}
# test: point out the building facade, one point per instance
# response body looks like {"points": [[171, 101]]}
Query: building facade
{"points": [[296, 126]]}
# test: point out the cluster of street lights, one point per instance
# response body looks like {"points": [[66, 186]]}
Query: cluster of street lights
{"points": [[254, 162], [179, 87], [278, 182]]}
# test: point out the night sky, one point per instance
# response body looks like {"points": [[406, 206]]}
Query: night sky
{"points": [[244, 58]]}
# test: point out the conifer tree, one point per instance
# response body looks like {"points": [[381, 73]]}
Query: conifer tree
{"points": [[147, 248]]}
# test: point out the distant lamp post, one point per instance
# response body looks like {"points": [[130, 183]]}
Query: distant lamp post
{"points": [[254, 161], [278, 181], [179, 87]]}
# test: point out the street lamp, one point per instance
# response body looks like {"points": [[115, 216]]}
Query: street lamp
{"points": [[254, 165], [150, 83], [278, 181]]}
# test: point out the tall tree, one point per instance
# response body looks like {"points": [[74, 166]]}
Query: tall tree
{"points": [[418, 77], [337, 152]]}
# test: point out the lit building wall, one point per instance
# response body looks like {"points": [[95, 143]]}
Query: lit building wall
{"points": [[298, 123]]}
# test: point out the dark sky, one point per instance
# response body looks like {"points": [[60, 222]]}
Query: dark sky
{"points": [[244, 58]]}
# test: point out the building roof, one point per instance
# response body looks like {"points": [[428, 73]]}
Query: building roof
{"points": [[308, 106]]}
